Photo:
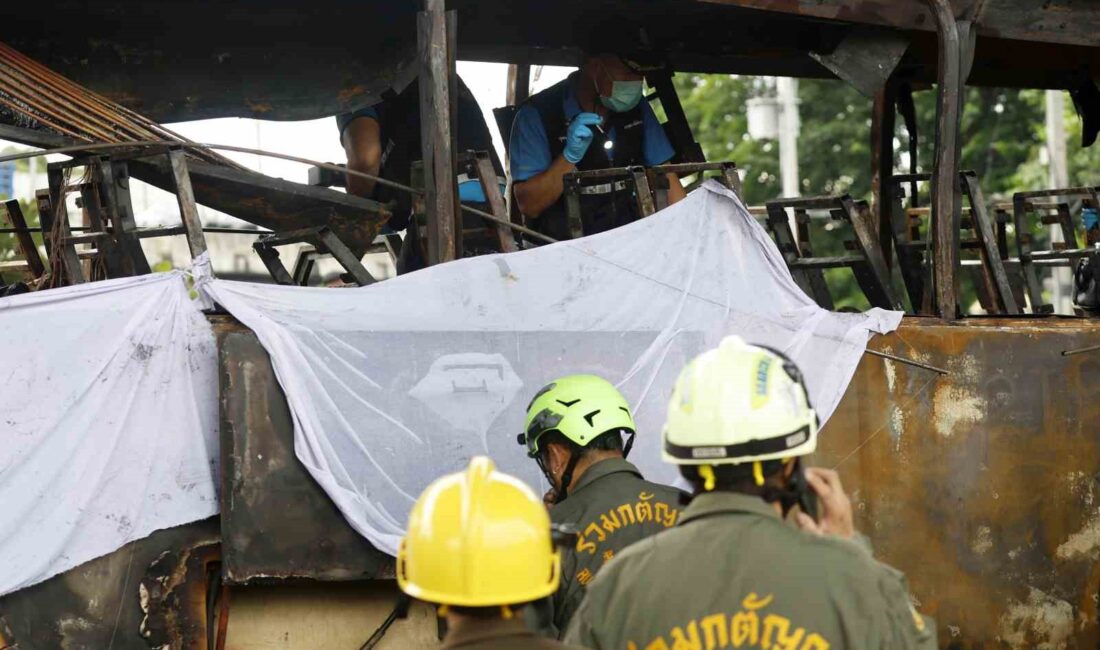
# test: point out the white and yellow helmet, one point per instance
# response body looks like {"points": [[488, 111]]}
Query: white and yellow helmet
{"points": [[738, 403]]}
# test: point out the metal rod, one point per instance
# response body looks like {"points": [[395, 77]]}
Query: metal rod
{"points": [[102, 146], [908, 362], [1091, 348], [213, 229]]}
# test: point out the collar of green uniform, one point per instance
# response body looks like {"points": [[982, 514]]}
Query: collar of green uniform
{"points": [[601, 469], [481, 630], [713, 503]]}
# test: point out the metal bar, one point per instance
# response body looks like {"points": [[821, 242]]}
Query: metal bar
{"points": [[189, 212], [488, 178], [436, 130], [107, 146], [945, 183], [23, 236], [732, 178], [270, 257], [115, 181], [642, 191], [1066, 222], [1086, 191], [519, 83], [911, 178], [345, 257], [843, 261], [908, 362], [678, 126], [573, 207], [882, 165], [877, 281], [93, 209], [1023, 246], [292, 236], [810, 280], [996, 276], [70, 263], [1091, 348], [303, 267]]}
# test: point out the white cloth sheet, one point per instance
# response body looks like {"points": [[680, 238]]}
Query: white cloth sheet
{"points": [[395, 384], [108, 421]]}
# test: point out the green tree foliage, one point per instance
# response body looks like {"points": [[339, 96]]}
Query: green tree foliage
{"points": [[1002, 133]]}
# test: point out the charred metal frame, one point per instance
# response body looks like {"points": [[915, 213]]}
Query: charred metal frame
{"points": [[324, 242], [866, 262], [105, 202], [438, 112], [650, 185], [27, 247], [1064, 254], [946, 197], [995, 285]]}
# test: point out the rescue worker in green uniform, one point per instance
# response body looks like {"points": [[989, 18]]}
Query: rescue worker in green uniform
{"points": [[479, 545], [733, 573], [574, 431]]}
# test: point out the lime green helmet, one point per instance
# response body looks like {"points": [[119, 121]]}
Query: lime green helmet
{"points": [[581, 408]]}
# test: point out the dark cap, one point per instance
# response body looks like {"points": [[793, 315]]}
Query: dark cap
{"points": [[622, 37]]}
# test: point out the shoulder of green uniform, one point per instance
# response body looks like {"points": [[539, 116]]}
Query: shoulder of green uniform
{"points": [[855, 569]]}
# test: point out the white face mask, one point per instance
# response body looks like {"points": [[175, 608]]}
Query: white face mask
{"points": [[625, 95]]}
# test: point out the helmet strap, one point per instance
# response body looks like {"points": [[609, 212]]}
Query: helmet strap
{"points": [[506, 612], [795, 492], [706, 472], [567, 478], [629, 444]]}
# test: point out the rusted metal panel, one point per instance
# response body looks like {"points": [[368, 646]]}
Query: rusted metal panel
{"points": [[1072, 22], [276, 521], [982, 485], [111, 602]]}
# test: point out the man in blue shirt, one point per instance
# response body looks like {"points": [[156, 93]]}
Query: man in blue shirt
{"points": [[384, 140], [594, 119]]}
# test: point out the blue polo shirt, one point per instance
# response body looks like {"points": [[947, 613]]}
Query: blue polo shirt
{"points": [[529, 147]]}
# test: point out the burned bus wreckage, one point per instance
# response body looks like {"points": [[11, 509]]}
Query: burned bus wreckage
{"points": [[971, 442]]}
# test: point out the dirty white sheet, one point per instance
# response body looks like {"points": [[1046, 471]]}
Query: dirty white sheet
{"points": [[108, 421], [394, 384]]}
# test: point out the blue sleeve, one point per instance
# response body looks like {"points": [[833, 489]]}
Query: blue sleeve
{"points": [[344, 119], [656, 149], [528, 148]]}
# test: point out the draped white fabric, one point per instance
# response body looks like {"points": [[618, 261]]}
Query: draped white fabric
{"points": [[395, 384], [108, 421]]}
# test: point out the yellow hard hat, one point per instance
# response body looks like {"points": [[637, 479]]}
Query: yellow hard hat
{"points": [[739, 403], [478, 538]]}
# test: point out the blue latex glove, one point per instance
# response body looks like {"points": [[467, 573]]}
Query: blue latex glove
{"points": [[579, 136]]}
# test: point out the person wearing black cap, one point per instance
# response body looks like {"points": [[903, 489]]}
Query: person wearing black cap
{"points": [[594, 119]]}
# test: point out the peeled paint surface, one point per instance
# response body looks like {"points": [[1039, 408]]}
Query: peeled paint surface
{"points": [[982, 485]]}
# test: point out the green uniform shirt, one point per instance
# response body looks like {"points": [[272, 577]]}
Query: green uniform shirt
{"points": [[612, 507], [733, 574], [500, 634]]}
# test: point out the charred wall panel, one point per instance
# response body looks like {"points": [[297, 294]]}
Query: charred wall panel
{"points": [[277, 522], [982, 485], [147, 593]]}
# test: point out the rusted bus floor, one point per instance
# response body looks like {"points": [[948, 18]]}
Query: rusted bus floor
{"points": [[982, 485]]}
